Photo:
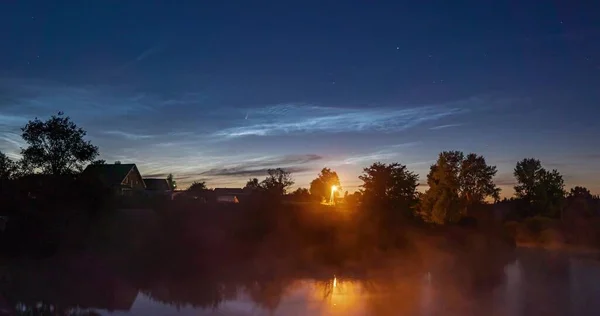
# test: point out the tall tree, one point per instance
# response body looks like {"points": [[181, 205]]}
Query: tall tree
{"points": [[456, 182], [321, 186], [277, 181], [476, 180], [56, 146], [528, 174], [543, 190], [172, 183], [8, 168], [441, 203]]}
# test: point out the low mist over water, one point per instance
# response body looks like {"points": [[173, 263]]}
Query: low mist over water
{"points": [[535, 282]]}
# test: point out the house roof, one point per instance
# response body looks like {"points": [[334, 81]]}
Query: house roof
{"points": [[157, 184], [109, 174]]}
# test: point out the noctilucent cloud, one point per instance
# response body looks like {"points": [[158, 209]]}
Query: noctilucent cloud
{"points": [[224, 90]]}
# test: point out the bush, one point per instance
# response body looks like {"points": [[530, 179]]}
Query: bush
{"points": [[538, 230]]}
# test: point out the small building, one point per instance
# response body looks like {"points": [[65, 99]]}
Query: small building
{"points": [[121, 179], [231, 195], [157, 187]]}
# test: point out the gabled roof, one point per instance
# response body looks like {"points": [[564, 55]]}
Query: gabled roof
{"points": [[109, 174], [156, 184]]}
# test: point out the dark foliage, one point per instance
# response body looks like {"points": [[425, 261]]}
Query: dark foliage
{"points": [[320, 188], [542, 190], [56, 146]]}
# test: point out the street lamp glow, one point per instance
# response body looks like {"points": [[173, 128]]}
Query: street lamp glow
{"points": [[331, 198]]}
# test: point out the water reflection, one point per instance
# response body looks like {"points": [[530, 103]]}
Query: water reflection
{"points": [[537, 283]]}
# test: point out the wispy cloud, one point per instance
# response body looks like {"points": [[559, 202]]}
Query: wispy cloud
{"points": [[445, 126], [367, 158], [12, 120], [384, 154], [35, 97], [130, 136], [259, 166], [505, 179], [147, 52], [240, 171], [290, 118]]}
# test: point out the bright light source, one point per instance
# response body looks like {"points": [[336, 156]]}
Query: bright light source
{"points": [[331, 198]]}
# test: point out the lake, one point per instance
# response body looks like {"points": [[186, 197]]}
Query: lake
{"points": [[536, 282]]}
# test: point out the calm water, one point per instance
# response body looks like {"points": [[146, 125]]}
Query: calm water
{"points": [[535, 283]]}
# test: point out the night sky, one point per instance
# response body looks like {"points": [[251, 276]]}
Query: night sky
{"points": [[223, 90]]}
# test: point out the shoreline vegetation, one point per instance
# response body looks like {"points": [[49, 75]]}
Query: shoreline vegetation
{"points": [[44, 194], [552, 234]]}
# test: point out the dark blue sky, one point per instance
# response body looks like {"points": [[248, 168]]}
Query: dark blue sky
{"points": [[222, 90]]}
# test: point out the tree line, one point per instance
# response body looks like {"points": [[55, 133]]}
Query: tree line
{"points": [[455, 181]]}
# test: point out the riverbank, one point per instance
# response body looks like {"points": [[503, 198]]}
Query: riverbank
{"points": [[574, 250], [575, 236]]}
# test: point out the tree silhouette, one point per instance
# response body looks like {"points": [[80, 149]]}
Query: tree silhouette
{"points": [[8, 168], [456, 182], [542, 190], [389, 183], [301, 194], [528, 174], [476, 180], [197, 186], [253, 184], [580, 192], [321, 186], [580, 201], [277, 182], [56, 146], [98, 162], [171, 181]]}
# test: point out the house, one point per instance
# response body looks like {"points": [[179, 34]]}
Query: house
{"points": [[157, 187], [121, 179], [231, 195]]}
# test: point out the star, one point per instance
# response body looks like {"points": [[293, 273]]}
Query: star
{"points": [[397, 47]]}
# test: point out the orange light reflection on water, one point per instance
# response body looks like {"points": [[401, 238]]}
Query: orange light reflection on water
{"points": [[339, 297]]}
